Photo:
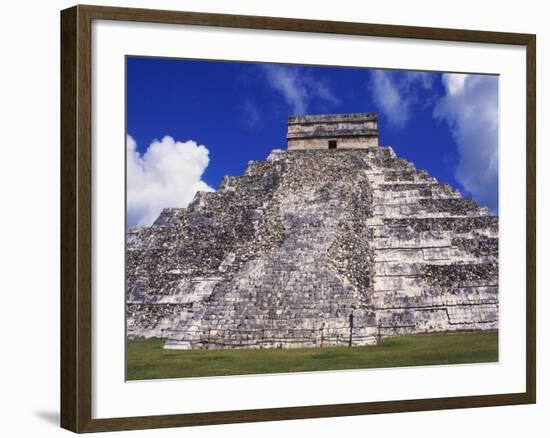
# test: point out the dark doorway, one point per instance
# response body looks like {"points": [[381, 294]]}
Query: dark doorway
{"points": [[332, 144]]}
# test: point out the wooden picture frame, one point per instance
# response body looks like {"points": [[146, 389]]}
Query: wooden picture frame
{"points": [[76, 218]]}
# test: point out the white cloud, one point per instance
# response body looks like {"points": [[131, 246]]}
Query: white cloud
{"points": [[470, 107], [251, 114], [322, 91], [396, 93], [454, 83], [298, 89], [167, 174]]}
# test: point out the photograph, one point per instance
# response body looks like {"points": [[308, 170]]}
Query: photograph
{"points": [[285, 218], [270, 217]]}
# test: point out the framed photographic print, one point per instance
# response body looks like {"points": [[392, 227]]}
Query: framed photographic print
{"points": [[268, 218]]}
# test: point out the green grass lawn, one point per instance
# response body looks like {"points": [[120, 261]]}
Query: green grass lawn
{"points": [[146, 359]]}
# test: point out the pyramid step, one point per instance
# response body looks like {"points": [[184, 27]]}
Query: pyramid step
{"points": [[419, 255]]}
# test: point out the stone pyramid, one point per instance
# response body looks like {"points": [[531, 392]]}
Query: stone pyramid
{"points": [[334, 241]]}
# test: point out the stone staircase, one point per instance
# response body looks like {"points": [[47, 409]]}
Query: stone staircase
{"points": [[289, 296]]}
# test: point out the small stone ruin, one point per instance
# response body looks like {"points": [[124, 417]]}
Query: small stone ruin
{"points": [[335, 241]]}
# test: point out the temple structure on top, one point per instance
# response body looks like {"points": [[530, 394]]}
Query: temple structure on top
{"points": [[333, 131]]}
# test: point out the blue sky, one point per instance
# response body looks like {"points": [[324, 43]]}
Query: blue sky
{"points": [[191, 122]]}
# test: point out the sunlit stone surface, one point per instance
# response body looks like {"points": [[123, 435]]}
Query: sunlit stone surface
{"points": [[315, 247]]}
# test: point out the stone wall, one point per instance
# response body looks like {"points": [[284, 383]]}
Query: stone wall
{"points": [[315, 248], [351, 131], [341, 143]]}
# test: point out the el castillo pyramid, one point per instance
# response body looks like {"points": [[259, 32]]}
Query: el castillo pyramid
{"points": [[333, 241]]}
